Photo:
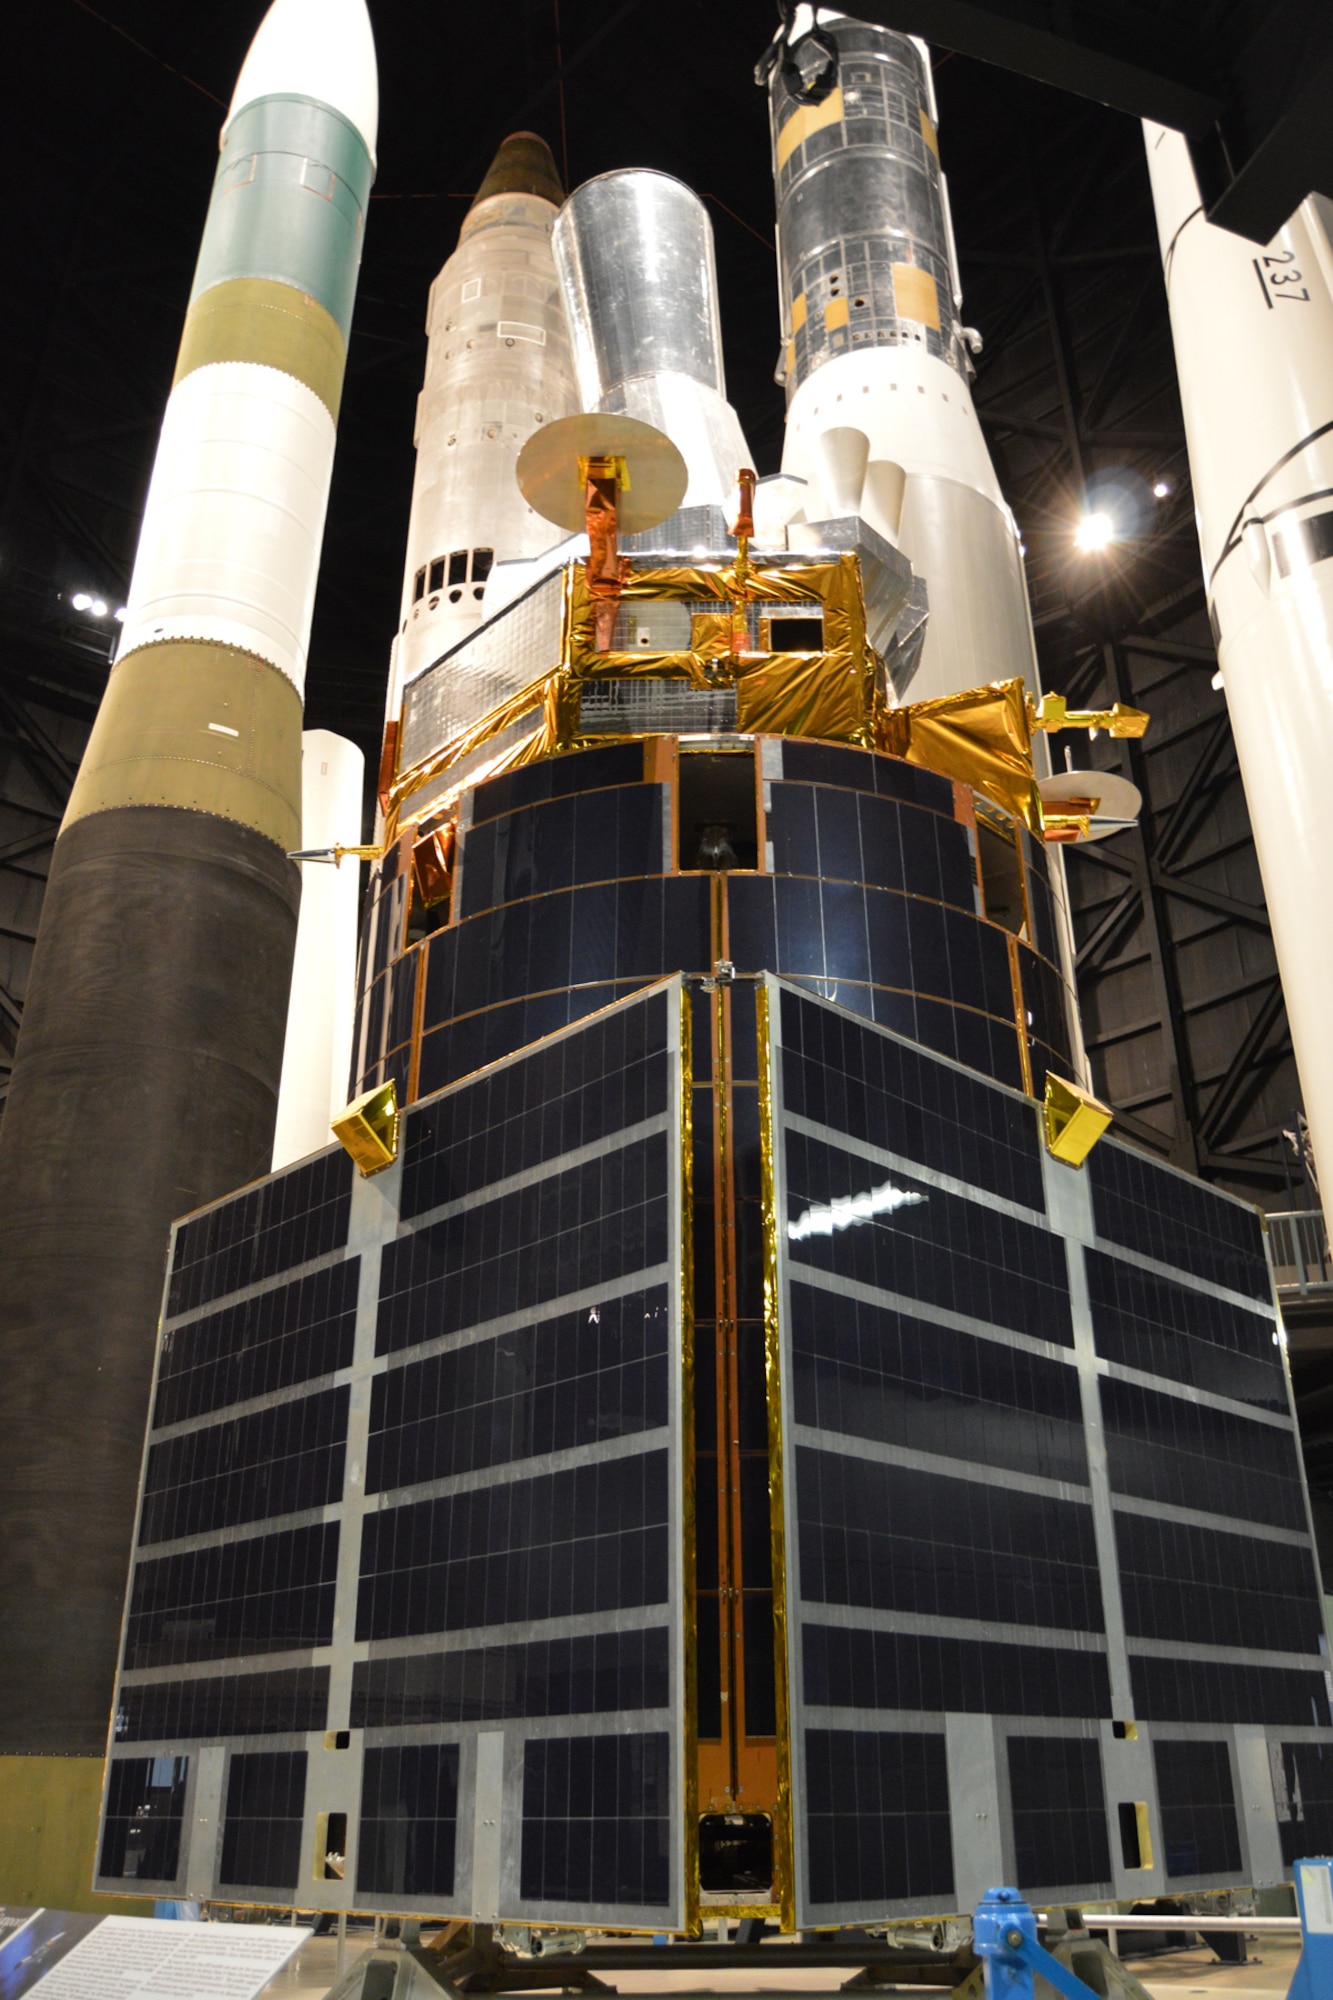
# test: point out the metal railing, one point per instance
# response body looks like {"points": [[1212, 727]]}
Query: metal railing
{"points": [[1298, 1246]]}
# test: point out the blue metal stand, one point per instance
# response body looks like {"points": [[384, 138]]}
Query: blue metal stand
{"points": [[1004, 1937], [1313, 1977]]}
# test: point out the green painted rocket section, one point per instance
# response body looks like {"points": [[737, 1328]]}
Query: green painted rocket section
{"points": [[289, 203]]}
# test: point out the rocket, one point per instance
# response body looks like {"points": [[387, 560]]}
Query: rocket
{"points": [[1253, 331], [498, 367], [146, 1073], [875, 359]]}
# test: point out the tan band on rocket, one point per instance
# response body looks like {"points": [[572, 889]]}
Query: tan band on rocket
{"points": [[199, 726], [272, 325]]}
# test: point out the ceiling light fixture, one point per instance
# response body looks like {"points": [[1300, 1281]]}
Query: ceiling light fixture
{"points": [[1094, 532]]}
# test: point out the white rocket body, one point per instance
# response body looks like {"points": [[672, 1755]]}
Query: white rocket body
{"points": [[498, 367], [317, 1053], [1253, 331], [927, 485]]}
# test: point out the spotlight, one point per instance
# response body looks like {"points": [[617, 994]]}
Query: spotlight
{"points": [[1161, 490], [81, 601], [1094, 531], [98, 607], [119, 614]]}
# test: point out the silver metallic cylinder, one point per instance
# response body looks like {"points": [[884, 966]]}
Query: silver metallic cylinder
{"points": [[634, 251], [635, 256], [863, 221]]}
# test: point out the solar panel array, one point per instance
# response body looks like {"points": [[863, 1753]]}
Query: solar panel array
{"points": [[408, 1576], [1048, 1558]]}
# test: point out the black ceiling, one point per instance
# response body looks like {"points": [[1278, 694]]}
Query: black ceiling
{"points": [[113, 124]]}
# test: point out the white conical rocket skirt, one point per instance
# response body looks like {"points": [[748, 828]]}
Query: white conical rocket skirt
{"points": [[229, 549], [318, 1050], [498, 367], [1253, 331]]}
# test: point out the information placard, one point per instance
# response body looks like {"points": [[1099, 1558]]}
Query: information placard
{"points": [[60, 1956]]}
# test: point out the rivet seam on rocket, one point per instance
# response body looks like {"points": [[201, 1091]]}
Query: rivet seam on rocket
{"points": [[201, 727], [289, 203], [270, 325]]}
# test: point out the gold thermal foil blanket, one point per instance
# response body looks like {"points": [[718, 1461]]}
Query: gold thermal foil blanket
{"points": [[982, 736]]}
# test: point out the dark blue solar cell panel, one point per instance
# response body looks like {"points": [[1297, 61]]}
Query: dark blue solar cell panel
{"points": [[628, 933], [1178, 1690], [145, 1814], [1209, 1588], [837, 1073], [558, 777], [593, 1538], [263, 1594], [280, 1460], [288, 1220], [877, 1804], [1167, 1448], [846, 1668], [857, 837], [269, 1341], [558, 843], [829, 764], [864, 1371], [570, 1232], [1170, 1329], [1197, 1802], [287, 1702], [569, 1093], [409, 1820], [1041, 896], [1177, 1220], [901, 1540], [1047, 1003], [261, 1834], [883, 1228], [1059, 1812], [597, 1373], [593, 1673], [402, 1003], [597, 1821]]}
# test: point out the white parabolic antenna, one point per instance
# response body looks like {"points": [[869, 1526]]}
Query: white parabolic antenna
{"points": [[1118, 803]]}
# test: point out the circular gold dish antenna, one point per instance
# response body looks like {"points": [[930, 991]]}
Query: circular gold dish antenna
{"points": [[554, 463]]}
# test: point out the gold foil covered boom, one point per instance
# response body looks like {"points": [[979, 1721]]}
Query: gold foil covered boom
{"points": [[1054, 713]]}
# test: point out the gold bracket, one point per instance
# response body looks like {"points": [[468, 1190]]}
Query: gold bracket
{"points": [[1074, 1120], [368, 1129]]}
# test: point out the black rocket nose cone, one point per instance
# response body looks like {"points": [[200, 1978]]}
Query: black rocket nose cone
{"points": [[523, 165]]}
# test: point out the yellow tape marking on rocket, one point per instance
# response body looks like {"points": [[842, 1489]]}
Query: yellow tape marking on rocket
{"points": [[915, 295], [810, 118]]}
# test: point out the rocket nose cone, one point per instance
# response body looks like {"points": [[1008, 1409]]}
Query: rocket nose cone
{"points": [[315, 48], [523, 165]]}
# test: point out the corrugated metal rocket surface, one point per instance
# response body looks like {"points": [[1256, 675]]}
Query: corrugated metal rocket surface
{"points": [[146, 1075]]}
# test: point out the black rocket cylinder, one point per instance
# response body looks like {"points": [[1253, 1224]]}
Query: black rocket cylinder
{"points": [[146, 1076]]}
